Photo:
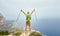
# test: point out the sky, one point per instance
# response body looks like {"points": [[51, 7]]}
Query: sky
{"points": [[43, 8]]}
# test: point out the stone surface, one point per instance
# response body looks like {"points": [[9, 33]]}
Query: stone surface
{"points": [[27, 33]]}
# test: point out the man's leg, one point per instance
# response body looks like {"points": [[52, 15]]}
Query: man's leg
{"points": [[29, 26], [26, 28], [26, 24]]}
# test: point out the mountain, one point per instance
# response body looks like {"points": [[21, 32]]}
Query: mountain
{"points": [[11, 26]]}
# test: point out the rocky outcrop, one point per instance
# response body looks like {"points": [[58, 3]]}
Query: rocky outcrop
{"points": [[31, 33]]}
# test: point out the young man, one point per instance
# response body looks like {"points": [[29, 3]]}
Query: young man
{"points": [[28, 18]]}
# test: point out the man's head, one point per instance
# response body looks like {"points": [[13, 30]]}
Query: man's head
{"points": [[27, 12]]}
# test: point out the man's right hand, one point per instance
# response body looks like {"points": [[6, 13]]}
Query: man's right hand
{"points": [[22, 11]]}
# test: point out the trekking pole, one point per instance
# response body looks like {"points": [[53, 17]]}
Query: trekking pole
{"points": [[18, 16], [35, 16]]}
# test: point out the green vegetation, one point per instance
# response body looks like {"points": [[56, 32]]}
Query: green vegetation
{"points": [[4, 32], [35, 34], [17, 33]]}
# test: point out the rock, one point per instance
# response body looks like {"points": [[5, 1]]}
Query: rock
{"points": [[31, 33]]}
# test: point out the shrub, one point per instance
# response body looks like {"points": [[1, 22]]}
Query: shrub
{"points": [[4, 32], [35, 34], [17, 33]]}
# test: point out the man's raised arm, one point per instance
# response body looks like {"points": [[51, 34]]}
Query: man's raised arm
{"points": [[33, 11], [22, 11]]}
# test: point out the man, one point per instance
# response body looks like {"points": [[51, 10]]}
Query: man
{"points": [[28, 18]]}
